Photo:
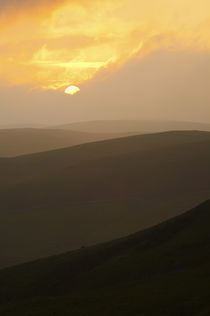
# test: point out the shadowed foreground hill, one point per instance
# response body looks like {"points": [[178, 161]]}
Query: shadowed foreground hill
{"points": [[56, 201], [164, 270], [20, 141]]}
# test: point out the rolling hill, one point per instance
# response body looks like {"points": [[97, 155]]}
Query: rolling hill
{"points": [[133, 126], [163, 271], [20, 141], [55, 201]]}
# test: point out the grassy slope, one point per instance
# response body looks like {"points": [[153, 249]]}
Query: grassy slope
{"points": [[95, 192], [161, 271], [20, 141]]}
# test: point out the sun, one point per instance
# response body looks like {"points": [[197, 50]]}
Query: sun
{"points": [[72, 90]]}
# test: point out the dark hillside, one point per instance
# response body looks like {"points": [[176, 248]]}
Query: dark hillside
{"points": [[160, 271], [78, 196], [22, 141]]}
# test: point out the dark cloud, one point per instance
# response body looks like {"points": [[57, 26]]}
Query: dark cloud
{"points": [[15, 4], [18, 5], [25, 3], [11, 10]]}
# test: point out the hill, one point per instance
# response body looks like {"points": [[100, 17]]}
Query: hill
{"points": [[160, 271], [20, 141], [60, 200], [133, 126]]}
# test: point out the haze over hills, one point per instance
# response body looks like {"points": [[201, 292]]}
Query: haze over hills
{"points": [[22, 126], [130, 126], [78, 196], [20, 141], [160, 271]]}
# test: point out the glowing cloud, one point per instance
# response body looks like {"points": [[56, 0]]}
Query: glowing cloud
{"points": [[51, 43]]}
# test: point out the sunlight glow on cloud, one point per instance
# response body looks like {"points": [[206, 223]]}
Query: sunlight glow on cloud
{"points": [[53, 44]]}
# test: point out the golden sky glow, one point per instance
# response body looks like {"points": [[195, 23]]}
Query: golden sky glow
{"points": [[54, 44]]}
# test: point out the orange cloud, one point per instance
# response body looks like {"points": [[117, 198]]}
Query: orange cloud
{"points": [[50, 44]]}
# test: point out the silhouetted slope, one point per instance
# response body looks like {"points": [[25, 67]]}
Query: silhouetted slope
{"points": [[160, 271], [60, 200], [20, 141]]}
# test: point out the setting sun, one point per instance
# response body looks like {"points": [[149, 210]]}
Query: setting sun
{"points": [[72, 90]]}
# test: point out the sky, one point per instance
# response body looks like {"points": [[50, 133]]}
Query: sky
{"points": [[131, 59]]}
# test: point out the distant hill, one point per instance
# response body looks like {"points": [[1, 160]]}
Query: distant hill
{"points": [[157, 272], [55, 201], [20, 141], [131, 126]]}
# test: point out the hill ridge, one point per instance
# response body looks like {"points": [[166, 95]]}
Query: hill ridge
{"points": [[114, 140]]}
